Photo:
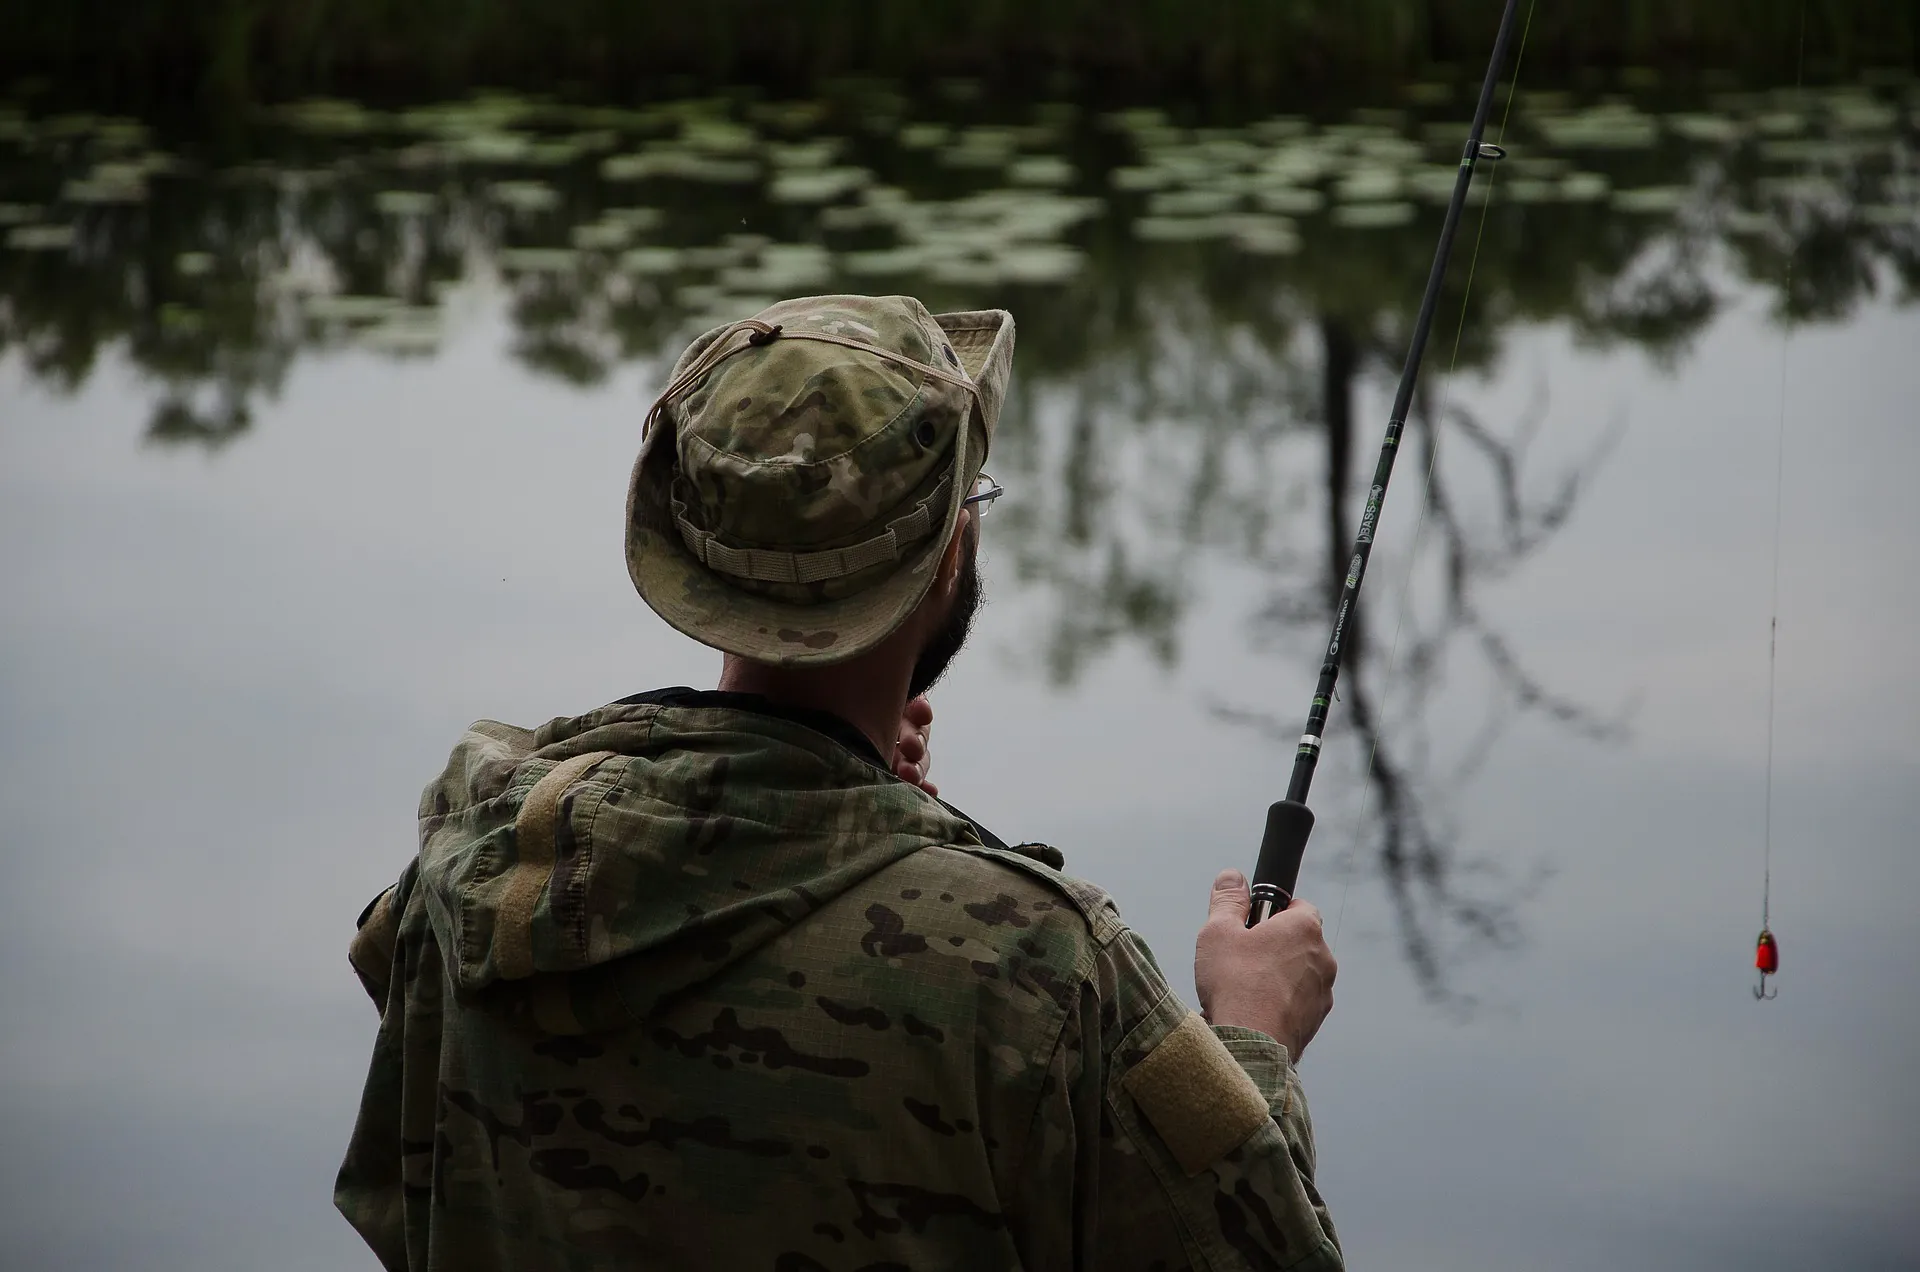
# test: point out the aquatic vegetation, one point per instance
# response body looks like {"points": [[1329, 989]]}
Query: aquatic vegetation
{"points": [[616, 227]]}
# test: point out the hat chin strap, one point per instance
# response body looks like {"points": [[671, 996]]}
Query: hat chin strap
{"points": [[760, 333], [765, 565]]}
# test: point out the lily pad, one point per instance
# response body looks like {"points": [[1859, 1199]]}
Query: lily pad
{"points": [[788, 117], [626, 167], [108, 183], [809, 154], [552, 154], [890, 262], [1040, 170], [1291, 200], [1143, 178], [719, 136], [1530, 190], [1180, 229], [1265, 235], [404, 202], [351, 308], [709, 171], [332, 116], [1607, 127], [1654, 200], [638, 219], [1891, 216], [525, 196], [601, 236], [407, 331], [851, 217], [783, 268], [491, 147], [1741, 221], [1170, 203], [40, 238], [1780, 123], [1039, 263], [1705, 128], [651, 260], [924, 136], [971, 157], [1808, 188], [1373, 216], [1864, 115], [1363, 185], [1795, 150], [1435, 182], [1585, 187], [822, 185], [539, 260]]}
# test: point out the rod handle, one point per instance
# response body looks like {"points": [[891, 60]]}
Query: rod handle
{"points": [[1289, 823]]}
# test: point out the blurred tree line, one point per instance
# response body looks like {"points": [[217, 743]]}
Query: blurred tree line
{"points": [[1233, 53]]}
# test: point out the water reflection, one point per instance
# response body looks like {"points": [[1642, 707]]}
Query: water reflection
{"points": [[1202, 310], [617, 230], [1445, 905]]}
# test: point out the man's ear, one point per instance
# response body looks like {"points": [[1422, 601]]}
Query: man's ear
{"points": [[946, 576]]}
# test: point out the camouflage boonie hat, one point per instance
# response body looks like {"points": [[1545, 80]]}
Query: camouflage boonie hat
{"points": [[804, 469]]}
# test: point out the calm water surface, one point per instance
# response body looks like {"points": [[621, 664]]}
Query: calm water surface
{"points": [[315, 443]]}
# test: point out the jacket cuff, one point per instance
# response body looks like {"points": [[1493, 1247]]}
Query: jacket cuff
{"points": [[1264, 1060]]}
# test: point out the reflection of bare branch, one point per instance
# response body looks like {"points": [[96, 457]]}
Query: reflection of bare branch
{"points": [[1523, 529], [1441, 901], [1438, 922]]}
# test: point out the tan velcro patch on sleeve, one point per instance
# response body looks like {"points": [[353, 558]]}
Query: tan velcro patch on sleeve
{"points": [[527, 877], [1197, 1096]]}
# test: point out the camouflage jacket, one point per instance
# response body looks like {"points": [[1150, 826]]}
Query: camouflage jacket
{"points": [[683, 986]]}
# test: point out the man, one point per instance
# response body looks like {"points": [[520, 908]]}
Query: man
{"points": [[712, 979]]}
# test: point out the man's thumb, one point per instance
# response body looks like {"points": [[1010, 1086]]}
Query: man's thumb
{"points": [[1230, 899]]}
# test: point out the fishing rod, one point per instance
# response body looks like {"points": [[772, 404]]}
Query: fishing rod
{"points": [[1290, 821]]}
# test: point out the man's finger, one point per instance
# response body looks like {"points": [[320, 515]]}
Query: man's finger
{"points": [[920, 713], [911, 747], [1305, 912], [1229, 899]]}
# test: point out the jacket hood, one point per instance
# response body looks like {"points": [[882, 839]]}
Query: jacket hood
{"points": [[582, 873]]}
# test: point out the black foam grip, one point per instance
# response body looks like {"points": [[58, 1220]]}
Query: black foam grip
{"points": [[1285, 843]]}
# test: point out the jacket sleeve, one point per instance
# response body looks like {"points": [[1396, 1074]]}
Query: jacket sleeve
{"points": [[1182, 1146], [384, 1164]]}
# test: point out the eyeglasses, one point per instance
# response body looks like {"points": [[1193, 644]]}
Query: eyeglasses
{"points": [[985, 491]]}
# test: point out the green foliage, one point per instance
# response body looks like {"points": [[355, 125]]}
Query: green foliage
{"points": [[1218, 52]]}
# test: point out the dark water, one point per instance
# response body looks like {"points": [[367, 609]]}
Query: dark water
{"points": [[315, 443]]}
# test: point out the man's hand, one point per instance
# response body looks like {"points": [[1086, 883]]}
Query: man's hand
{"points": [[911, 758], [1277, 977]]}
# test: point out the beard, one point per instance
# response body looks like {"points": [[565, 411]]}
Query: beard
{"points": [[952, 633]]}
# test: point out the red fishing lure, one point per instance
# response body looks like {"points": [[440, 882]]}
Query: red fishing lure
{"points": [[1766, 958]]}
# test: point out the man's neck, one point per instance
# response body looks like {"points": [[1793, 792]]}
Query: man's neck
{"points": [[869, 692]]}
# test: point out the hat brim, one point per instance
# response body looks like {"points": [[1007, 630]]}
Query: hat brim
{"points": [[708, 607]]}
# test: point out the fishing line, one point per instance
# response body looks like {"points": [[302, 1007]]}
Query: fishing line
{"points": [[1434, 418], [1767, 956], [1289, 820]]}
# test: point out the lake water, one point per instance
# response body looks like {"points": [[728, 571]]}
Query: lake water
{"points": [[313, 447]]}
